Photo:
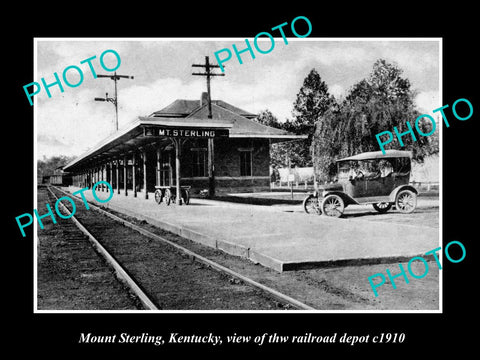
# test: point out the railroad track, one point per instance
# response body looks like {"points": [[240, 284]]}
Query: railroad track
{"points": [[71, 275], [165, 275]]}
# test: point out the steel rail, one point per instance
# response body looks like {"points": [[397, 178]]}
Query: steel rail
{"points": [[272, 292], [120, 272]]}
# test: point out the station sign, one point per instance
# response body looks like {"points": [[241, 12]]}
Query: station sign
{"points": [[184, 132]]}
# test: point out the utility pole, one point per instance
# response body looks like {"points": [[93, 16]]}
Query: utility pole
{"points": [[113, 100], [208, 74]]}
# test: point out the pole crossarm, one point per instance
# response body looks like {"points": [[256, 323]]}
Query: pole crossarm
{"points": [[116, 77], [113, 100], [208, 74], [210, 65]]}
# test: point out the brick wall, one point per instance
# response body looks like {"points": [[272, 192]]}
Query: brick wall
{"points": [[227, 167], [224, 186], [227, 156]]}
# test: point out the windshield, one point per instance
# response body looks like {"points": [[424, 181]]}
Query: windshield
{"points": [[373, 168]]}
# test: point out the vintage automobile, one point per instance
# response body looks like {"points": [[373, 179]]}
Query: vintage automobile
{"points": [[367, 178]]}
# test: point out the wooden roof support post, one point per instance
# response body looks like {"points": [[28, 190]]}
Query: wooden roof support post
{"points": [[144, 157], [125, 168], [211, 173], [134, 178], [98, 175], [117, 165], [178, 150], [102, 178], [111, 173], [157, 179], [105, 176]]}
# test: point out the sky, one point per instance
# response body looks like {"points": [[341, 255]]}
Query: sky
{"points": [[71, 122]]}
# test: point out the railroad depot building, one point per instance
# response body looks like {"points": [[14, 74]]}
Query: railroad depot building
{"points": [[181, 143]]}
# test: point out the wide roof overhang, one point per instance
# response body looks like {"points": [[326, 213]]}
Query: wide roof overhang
{"points": [[133, 136]]}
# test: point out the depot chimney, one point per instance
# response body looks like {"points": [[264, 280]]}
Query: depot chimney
{"points": [[204, 99]]}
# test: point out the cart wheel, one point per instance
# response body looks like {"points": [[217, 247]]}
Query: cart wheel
{"points": [[406, 201], [186, 197], [311, 206], [382, 207], [158, 196], [333, 205], [168, 196]]}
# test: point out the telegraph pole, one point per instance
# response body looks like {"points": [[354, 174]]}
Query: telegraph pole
{"points": [[113, 100], [208, 74]]}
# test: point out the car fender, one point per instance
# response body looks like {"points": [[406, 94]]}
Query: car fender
{"points": [[346, 198], [393, 194]]}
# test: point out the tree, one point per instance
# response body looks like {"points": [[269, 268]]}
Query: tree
{"points": [[265, 117], [380, 102], [279, 152], [325, 145], [313, 100], [46, 166]]}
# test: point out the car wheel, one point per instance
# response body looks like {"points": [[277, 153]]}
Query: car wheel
{"points": [[333, 205], [406, 201], [382, 207], [310, 205]]}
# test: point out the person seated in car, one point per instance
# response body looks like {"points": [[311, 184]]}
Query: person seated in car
{"points": [[355, 173], [370, 170], [386, 168]]}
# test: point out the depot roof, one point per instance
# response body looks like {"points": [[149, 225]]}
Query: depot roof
{"points": [[183, 114], [182, 108]]}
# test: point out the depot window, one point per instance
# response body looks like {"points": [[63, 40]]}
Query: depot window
{"points": [[199, 162], [246, 162]]}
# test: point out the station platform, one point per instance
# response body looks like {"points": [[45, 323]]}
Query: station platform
{"points": [[276, 237]]}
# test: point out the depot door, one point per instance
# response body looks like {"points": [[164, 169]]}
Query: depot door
{"points": [[165, 172]]}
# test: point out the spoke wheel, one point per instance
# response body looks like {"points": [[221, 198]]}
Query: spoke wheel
{"points": [[158, 196], [168, 196], [311, 206], [333, 205], [186, 197], [382, 207], [406, 201]]}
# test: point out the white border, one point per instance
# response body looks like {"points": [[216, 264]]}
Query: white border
{"points": [[295, 312]]}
